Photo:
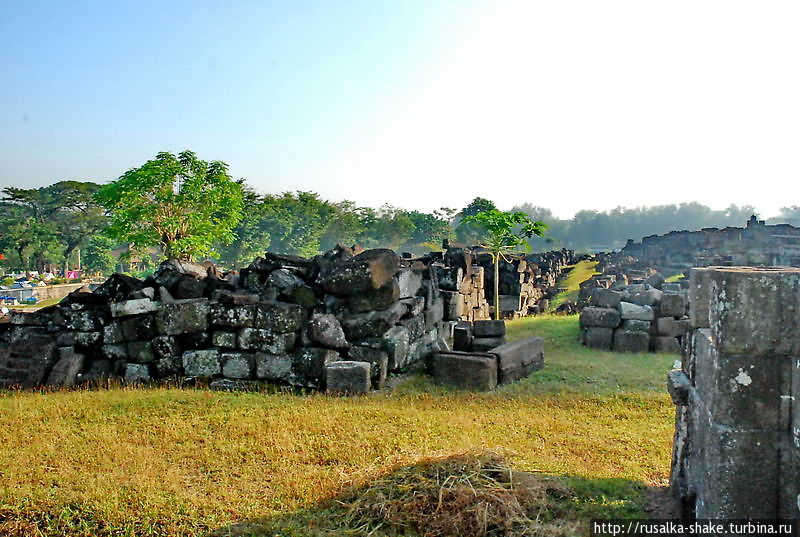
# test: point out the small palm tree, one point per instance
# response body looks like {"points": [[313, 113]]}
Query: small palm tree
{"points": [[503, 233]]}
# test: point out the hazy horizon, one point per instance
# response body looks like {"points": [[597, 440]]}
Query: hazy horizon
{"points": [[421, 104]]}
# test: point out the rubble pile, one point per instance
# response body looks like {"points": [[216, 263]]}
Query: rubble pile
{"points": [[283, 319]]}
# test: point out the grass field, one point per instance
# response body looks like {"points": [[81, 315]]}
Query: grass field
{"points": [[167, 461], [578, 273]]}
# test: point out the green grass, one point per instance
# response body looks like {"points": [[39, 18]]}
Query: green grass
{"points": [[578, 273], [166, 461], [675, 278], [39, 305]]}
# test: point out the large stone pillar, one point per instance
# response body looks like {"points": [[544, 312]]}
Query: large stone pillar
{"points": [[737, 436]]}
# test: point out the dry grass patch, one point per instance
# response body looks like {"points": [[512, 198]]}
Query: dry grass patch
{"points": [[168, 462]]}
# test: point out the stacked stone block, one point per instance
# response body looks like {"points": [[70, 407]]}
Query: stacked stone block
{"points": [[482, 359], [283, 319], [641, 317], [526, 281], [462, 285], [735, 453]]}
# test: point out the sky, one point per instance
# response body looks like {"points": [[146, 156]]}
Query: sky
{"points": [[417, 103]]}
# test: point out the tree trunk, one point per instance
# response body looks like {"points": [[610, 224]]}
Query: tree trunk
{"points": [[497, 287]]}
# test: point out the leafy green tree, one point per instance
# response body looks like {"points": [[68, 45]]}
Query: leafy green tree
{"points": [[296, 222], [251, 234], [97, 257], [54, 221], [347, 226], [503, 232], [469, 232], [180, 203]]}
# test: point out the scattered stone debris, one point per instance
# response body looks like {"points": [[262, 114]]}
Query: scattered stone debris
{"points": [[283, 319]]}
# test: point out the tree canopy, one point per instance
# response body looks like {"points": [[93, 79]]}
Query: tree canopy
{"points": [[180, 203], [502, 233]]}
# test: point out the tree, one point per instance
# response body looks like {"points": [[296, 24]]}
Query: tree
{"points": [[98, 257], [296, 222], [252, 238], [467, 232], [180, 203], [502, 233]]}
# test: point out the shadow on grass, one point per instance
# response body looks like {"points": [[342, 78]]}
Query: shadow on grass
{"points": [[464, 495]]}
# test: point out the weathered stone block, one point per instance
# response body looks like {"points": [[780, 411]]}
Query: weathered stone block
{"points": [[308, 366], [415, 325], [140, 351], [518, 359], [410, 282], [628, 310], [596, 337], [605, 298], [489, 328], [230, 385], [633, 324], [133, 307], [232, 316], [66, 369], [396, 343], [673, 304], [434, 313], [373, 323], [462, 337], [168, 365], [647, 297], [476, 372], [112, 333], [204, 363], [273, 367], [99, 371], [667, 344], [736, 486], [667, 326], [631, 341], [325, 331], [367, 271], [138, 328], [377, 299], [699, 296], [88, 339], [485, 344], [183, 317], [224, 339], [415, 306], [601, 317], [256, 339], [348, 378], [655, 280], [755, 311], [115, 352], [280, 317], [164, 346], [84, 321], [678, 386], [378, 360], [237, 365], [136, 373]]}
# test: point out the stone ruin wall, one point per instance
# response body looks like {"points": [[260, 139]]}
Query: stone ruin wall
{"points": [[283, 319], [755, 244], [466, 279], [736, 451]]}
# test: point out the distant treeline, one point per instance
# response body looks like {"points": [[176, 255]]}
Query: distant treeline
{"points": [[54, 225], [603, 230]]}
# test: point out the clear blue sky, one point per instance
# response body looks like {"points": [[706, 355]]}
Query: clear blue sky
{"points": [[421, 104]]}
